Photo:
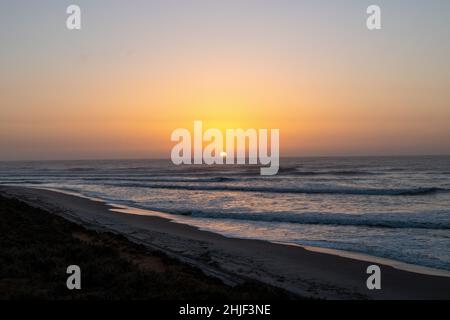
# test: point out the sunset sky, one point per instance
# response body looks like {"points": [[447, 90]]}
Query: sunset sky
{"points": [[140, 69]]}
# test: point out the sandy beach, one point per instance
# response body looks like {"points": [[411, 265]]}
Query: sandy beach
{"points": [[300, 271]]}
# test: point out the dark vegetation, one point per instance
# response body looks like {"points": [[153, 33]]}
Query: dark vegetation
{"points": [[36, 247]]}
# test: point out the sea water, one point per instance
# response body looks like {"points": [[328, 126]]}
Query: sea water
{"points": [[390, 207]]}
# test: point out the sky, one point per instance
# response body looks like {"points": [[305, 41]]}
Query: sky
{"points": [[137, 70]]}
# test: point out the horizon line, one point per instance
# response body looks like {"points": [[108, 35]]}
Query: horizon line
{"points": [[283, 157]]}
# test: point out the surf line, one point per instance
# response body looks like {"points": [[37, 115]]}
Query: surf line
{"points": [[213, 152]]}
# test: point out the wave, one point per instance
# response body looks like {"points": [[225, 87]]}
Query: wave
{"points": [[439, 220], [378, 220], [81, 169], [168, 179], [298, 171], [433, 220], [336, 191], [22, 182], [335, 173]]}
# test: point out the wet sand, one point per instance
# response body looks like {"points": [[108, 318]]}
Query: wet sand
{"points": [[300, 271]]}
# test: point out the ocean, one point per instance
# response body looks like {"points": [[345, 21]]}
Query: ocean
{"points": [[389, 207]]}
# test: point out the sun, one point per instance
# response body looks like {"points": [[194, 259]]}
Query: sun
{"points": [[223, 154]]}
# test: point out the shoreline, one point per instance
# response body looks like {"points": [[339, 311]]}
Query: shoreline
{"points": [[399, 265], [38, 246], [298, 269]]}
